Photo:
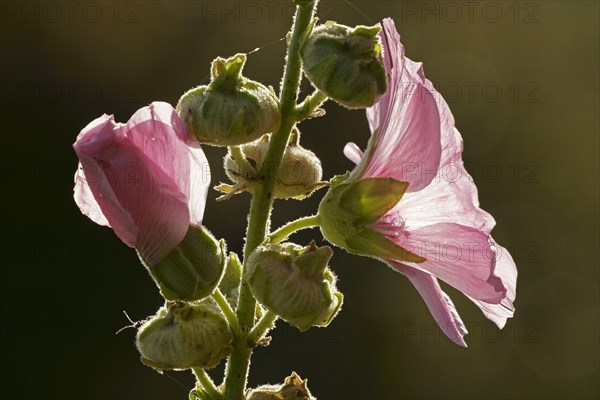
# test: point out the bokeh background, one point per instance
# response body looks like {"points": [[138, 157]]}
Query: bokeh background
{"points": [[522, 78]]}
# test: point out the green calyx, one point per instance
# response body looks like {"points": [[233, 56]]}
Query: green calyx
{"points": [[185, 335], [350, 206], [193, 269], [295, 283], [232, 109], [345, 63]]}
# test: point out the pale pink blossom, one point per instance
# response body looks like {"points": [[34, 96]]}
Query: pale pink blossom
{"points": [[415, 141], [145, 179]]}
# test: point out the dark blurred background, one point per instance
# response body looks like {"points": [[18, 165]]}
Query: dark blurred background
{"points": [[522, 78]]}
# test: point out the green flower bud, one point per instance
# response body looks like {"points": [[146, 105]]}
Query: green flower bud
{"points": [[348, 209], [293, 388], [295, 283], [345, 63], [299, 172], [193, 269], [185, 335], [232, 109]]}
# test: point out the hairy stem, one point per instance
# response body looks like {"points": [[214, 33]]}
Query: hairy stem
{"points": [[227, 311], [207, 384], [238, 156], [310, 104], [302, 223], [262, 201], [265, 323]]}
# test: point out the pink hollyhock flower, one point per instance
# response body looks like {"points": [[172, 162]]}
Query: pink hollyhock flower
{"points": [[438, 218], [145, 179]]}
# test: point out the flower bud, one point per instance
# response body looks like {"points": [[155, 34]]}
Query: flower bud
{"points": [[293, 388], [299, 172], [295, 283], [232, 109], [185, 335], [345, 63], [193, 269]]}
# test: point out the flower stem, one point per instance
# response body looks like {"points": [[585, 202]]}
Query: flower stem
{"points": [[227, 311], [265, 323], [238, 156], [310, 104], [207, 384], [302, 223], [262, 200]]}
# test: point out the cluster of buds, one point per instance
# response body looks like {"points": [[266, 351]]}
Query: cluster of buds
{"points": [[299, 173], [377, 210]]}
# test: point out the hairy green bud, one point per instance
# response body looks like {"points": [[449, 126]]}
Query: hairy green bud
{"points": [[232, 109], [345, 63], [185, 335], [295, 283]]}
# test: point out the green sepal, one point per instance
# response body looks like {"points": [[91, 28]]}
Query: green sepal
{"points": [[369, 32], [370, 242], [325, 69], [369, 199], [230, 283], [313, 260], [193, 269], [227, 73], [339, 179]]}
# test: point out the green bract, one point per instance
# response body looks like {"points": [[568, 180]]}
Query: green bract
{"points": [[193, 269], [185, 335], [345, 63], [295, 283], [232, 109], [348, 209]]}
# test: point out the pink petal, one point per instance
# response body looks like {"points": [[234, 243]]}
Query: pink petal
{"points": [[438, 302], [507, 271], [459, 255], [162, 137], [353, 153], [199, 179], [452, 195], [99, 134], [85, 199], [406, 121]]}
